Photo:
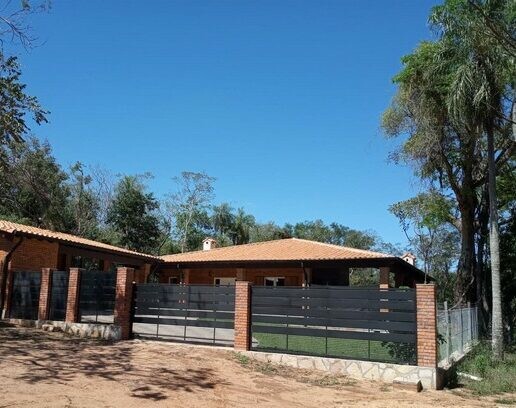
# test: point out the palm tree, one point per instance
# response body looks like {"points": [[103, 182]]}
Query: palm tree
{"points": [[481, 81]]}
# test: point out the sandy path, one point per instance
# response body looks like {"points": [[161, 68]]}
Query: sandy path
{"points": [[48, 370]]}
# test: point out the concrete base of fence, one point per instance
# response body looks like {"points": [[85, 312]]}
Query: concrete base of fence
{"points": [[356, 369], [83, 330]]}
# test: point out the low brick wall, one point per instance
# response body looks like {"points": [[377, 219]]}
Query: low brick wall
{"points": [[356, 369], [111, 332]]}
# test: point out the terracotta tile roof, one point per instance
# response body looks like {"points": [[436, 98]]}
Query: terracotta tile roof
{"points": [[290, 249], [12, 227]]}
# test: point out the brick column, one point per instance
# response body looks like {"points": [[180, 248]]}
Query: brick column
{"points": [[384, 277], [124, 297], [44, 293], [72, 303], [242, 315], [426, 325], [8, 294]]}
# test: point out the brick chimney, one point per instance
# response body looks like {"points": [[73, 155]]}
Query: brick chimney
{"points": [[409, 258], [209, 243]]}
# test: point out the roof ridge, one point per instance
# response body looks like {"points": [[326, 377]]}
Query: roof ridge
{"points": [[342, 247], [229, 246]]}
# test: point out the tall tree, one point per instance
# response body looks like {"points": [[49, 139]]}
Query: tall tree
{"points": [[33, 187], [83, 202], [132, 215], [15, 106], [190, 203], [483, 78]]}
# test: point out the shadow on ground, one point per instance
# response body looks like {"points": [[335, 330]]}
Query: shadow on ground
{"points": [[56, 358]]}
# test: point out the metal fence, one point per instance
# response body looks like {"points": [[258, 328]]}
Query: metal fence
{"points": [[192, 313], [25, 296], [457, 332], [58, 295], [361, 323], [97, 296]]}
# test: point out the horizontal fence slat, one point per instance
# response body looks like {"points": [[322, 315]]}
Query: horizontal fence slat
{"points": [[353, 293], [358, 314], [336, 303], [185, 322], [341, 334], [330, 322]]}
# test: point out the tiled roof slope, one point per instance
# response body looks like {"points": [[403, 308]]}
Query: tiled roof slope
{"points": [[12, 227], [289, 249]]}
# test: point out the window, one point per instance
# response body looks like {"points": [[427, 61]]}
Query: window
{"points": [[174, 280], [279, 281], [224, 281]]}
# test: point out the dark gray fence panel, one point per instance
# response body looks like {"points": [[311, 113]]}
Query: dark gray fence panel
{"points": [[191, 313], [58, 295], [25, 296], [362, 323], [97, 296]]}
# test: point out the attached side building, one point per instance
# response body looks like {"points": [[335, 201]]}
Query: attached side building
{"points": [[26, 248]]}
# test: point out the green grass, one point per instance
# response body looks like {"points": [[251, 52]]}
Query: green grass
{"points": [[345, 348], [497, 377]]}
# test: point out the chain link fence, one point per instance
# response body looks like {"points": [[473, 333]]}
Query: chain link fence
{"points": [[457, 329]]}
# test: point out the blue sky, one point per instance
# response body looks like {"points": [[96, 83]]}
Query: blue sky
{"points": [[279, 100]]}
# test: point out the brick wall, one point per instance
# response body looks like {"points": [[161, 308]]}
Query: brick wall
{"points": [[242, 315], [426, 325], [34, 254], [206, 276]]}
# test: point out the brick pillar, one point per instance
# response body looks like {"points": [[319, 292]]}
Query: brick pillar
{"points": [[426, 325], [72, 303], [384, 277], [44, 293], [8, 294], [242, 315], [124, 297]]}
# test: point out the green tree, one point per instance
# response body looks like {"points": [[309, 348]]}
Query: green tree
{"points": [[189, 205], [132, 215], [33, 187], [482, 80], [15, 107], [83, 202]]}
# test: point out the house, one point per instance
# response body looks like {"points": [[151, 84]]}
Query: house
{"points": [[26, 248], [284, 262]]}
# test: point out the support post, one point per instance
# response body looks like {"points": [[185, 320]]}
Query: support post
{"points": [[242, 315], [44, 293], [8, 294], [426, 325], [123, 300], [72, 302], [448, 338]]}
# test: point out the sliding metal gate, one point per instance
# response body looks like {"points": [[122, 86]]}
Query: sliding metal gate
{"points": [[25, 297], [336, 321], [191, 313], [58, 295]]}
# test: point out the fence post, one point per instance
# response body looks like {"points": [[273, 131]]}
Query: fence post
{"points": [[461, 332], [72, 302], [426, 325], [470, 324], [123, 299], [44, 293], [448, 338], [8, 294], [242, 315]]}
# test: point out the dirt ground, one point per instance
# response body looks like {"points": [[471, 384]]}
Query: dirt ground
{"points": [[39, 369]]}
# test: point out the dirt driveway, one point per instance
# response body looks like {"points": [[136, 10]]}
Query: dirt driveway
{"points": [[50, 370]]}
